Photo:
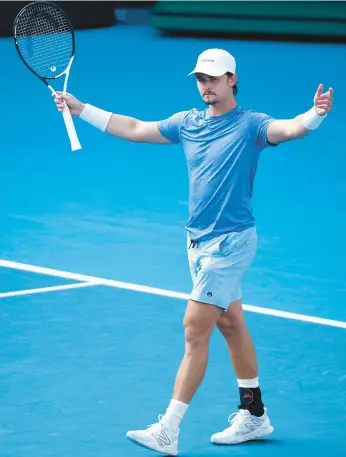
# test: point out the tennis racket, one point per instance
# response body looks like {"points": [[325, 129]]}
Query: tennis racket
{"points": [[44, 39]]}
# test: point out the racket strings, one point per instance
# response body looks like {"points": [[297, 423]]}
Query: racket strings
{"points": [[45, 40], [44, 63]]}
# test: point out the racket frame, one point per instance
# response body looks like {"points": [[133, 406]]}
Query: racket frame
{"points": [[75, 144]]}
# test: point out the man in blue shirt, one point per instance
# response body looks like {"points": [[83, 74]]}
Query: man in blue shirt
{"points": [[222, 145]]}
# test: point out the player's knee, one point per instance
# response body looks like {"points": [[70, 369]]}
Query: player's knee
{"points": [[231, 321], [225, 324], [196, 335]]}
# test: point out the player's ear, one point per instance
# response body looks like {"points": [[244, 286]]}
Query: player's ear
{"points": [[232, 79]]}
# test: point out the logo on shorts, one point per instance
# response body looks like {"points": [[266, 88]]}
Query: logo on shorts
{"points": [[209, 294]]}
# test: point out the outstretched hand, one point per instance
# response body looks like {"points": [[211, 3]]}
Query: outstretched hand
{"points": [[323, 101]]}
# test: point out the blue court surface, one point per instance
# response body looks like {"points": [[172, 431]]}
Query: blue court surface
{"points": [[94, 274]]}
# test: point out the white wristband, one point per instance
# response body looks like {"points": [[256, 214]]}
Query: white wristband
{"points": [[96, 117], [312, 120]]}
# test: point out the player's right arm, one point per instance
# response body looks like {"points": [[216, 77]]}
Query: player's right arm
{"points": [[125, 127], [132, 129]]}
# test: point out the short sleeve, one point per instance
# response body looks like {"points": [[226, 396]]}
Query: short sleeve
{"points": [[259, 123], [170, 127]]}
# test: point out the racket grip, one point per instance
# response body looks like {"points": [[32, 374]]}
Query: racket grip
{"points": [[75, 144]]}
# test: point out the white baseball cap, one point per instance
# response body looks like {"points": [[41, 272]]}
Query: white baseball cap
{"points": [[215, 62]]}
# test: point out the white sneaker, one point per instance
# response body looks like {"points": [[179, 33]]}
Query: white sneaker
{"points": [[158, 437], [244, 427]]}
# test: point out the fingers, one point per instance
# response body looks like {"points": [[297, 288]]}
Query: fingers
{"points": [[323, 107], [319, 90], [329, 93], [67, 100], [323, 97], [60, 100], [58, 94], [324, 100], [61, 106]]}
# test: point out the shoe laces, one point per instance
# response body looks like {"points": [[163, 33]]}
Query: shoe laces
{"points": [[160, 417], [237, 419]]}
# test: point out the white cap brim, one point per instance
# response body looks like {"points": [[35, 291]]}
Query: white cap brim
{"points": [[208, 69]]}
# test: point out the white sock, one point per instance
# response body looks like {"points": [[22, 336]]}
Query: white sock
{"points": [[175, 413], [248, 383]]}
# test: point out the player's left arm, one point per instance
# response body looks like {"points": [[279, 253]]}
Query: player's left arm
{"points": [[280, 131]]}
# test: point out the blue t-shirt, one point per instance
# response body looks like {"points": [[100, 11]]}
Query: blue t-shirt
{"points": [[222, 154]]}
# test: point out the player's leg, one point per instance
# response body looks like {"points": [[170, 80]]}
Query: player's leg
{"points": [[200, 319], [199, 322], [233, 327], [251, 422]]}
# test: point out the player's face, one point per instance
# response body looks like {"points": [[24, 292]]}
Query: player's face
{"points": [[213, 89]]}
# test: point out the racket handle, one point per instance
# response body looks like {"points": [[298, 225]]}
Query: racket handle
{"points": [[75, 144], [72, 134]]}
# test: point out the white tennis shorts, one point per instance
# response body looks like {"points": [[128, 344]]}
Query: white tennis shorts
{"points": [[218, 265]]}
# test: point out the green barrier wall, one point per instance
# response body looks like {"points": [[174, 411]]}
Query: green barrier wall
{"points": [[325, 19]]}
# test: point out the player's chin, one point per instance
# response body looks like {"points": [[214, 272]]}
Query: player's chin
{"points": [[210, 101]]}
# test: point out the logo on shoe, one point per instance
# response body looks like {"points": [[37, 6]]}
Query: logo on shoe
{"points": [[253, 423], [162, 438]]}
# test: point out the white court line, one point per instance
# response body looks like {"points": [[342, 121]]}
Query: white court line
{"points": [[41, 290], [162, 292]]}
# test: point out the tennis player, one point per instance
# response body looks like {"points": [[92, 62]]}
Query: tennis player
{"points": [[222, 145]]}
